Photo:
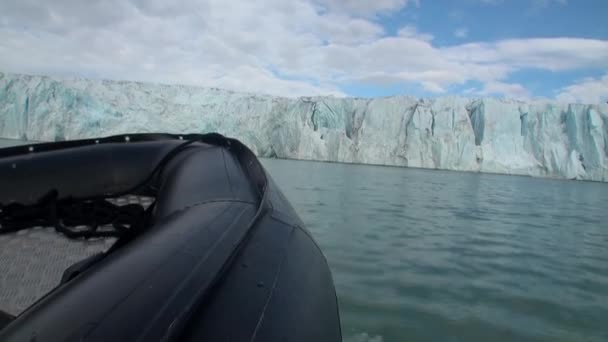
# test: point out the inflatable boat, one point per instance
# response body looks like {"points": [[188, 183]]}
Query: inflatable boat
{"points": [[218, 254]]}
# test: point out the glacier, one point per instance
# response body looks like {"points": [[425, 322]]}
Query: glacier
{"points": [[539, 138]]}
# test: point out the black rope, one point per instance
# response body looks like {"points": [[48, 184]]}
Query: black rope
{"points": [[65, 215]]}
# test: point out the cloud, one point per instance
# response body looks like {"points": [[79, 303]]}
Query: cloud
{"points": [[553, 54], [461, 32], [588, 90], [296, 47], [366, 8], [412, 32], [189, 44], [510, 90]]}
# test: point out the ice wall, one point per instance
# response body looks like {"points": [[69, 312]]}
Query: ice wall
{"points": [[486, 135]]}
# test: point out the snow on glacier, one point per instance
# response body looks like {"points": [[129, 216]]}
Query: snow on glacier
{"points": [[486, 135]]}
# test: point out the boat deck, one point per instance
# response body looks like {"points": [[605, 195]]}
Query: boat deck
{"points": [[32, 261]]}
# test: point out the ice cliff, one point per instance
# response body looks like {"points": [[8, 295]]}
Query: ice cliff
{"points": [[485, 135]]}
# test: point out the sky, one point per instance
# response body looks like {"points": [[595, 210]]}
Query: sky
{"points": [[522, 49]]}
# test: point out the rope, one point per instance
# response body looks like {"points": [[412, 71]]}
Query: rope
{"points": [[68, 214]]}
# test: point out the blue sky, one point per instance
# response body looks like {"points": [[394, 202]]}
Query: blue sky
{"points": [[549, 49], [457, 22], [494, 20]]}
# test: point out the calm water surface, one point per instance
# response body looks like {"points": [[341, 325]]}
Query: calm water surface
{"points": [[421, 255]]}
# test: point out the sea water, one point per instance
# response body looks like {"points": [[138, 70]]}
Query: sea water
{"points": [[424, 255]]}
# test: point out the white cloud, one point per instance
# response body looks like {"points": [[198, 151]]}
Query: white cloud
{"points": [[543, 53], [412, 32], [295, 47], [349, 30], [189, 44], [588, 90], [510, 90], [461, 32], [364, 7]]}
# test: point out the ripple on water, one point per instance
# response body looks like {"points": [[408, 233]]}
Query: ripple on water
{"points": [[472, 215], [440, 256]]}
